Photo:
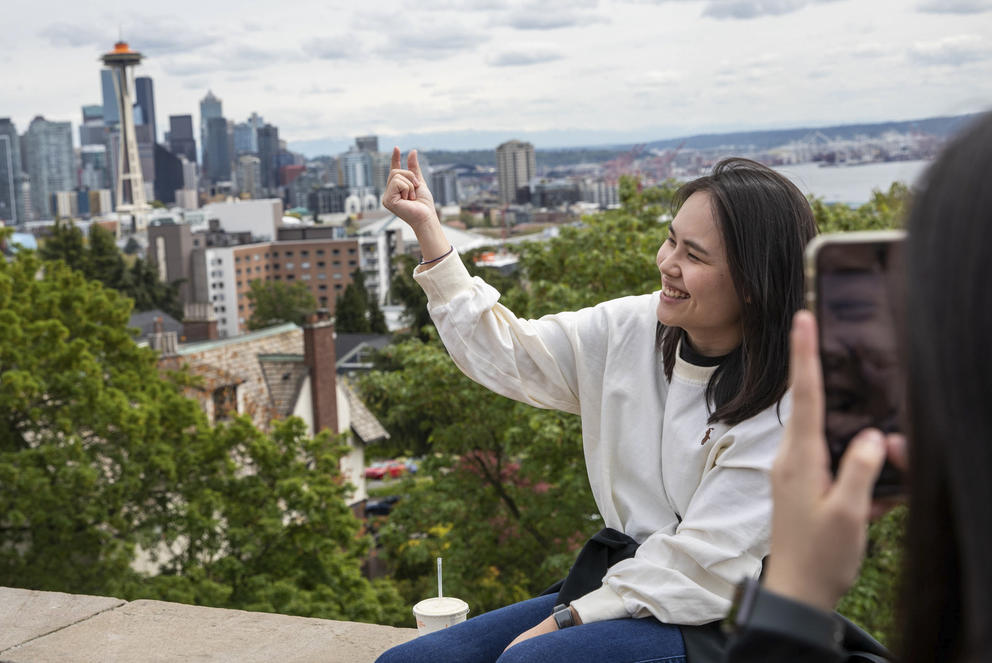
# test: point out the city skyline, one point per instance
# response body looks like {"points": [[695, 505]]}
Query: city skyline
{"points": [[452, 72]]}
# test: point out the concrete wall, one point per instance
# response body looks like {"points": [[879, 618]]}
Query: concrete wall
{"points": [[49, 627]]}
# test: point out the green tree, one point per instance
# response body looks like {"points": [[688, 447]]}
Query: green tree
{"points": [[90, 433], [506, 501], [66, 243], [351, 310], [276, 538], [406, 291], [101, 455], [276, 302], [356, 312]]}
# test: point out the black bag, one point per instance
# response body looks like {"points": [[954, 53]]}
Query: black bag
{"points": [[704, 643]]}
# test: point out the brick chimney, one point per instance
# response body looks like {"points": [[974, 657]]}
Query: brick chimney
{"points": [[318, 354]]}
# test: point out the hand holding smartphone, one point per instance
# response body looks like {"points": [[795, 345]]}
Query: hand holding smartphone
{"points": [[856, 288]]}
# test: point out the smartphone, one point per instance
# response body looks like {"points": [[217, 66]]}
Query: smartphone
{"points": [[855, 286]]}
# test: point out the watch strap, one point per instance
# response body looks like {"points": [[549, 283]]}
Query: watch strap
{"points": [[563, 616]]}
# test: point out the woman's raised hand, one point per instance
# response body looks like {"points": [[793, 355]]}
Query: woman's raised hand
{"points": [[407, 195], [819, 522]]}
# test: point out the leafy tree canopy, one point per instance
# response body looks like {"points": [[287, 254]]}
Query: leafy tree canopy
{"points": [[277, 302], [103, 458]]}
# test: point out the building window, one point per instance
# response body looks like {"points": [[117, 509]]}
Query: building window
{"points": [[320, 252], [337, 275], [338, 286], [275, 254], [277, 277], [305, 277], [321, 287], [337, 251], [225, 401], [258, 268], [290, 277], [239, 284], [289, 254], [336, 263], [304, 253], [256, 257], [351, 251], [304, 265], [323, 301], [322, 275], [237, 258], [352, 263], [289, 265]]}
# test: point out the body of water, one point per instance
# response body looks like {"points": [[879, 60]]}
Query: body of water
{"points": [[852, 185]]}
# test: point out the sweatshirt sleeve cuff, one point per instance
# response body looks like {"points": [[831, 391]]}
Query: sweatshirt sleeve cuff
{"points": [[444, 280], [599, 605]]}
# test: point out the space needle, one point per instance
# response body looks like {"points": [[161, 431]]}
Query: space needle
{"points": [[130, 183]]}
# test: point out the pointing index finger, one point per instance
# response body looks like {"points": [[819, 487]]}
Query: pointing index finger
{"points": [[395, 162]]}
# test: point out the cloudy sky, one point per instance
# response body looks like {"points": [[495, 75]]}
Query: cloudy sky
{"points": [[470, 73]]}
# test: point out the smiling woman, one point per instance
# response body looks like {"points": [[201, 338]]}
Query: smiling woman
{"points": [[679, 393]]}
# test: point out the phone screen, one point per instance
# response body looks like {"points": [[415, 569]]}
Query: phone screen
{"points": [[859, 299]]}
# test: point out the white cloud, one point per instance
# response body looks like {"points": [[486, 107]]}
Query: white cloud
{"points": [[955, 6], [749, 9], [523, 55], [951, 51]]}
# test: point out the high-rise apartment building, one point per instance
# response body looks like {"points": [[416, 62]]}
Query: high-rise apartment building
{"points": [[516, 165], [50, 161], [357, 166], [181, 140], [11, 175], [210, 108], [249, 176]]}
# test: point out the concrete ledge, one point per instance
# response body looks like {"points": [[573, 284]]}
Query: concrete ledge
{"points": [[43, 627]]}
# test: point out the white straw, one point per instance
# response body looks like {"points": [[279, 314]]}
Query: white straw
{"points": [[439, 593]]}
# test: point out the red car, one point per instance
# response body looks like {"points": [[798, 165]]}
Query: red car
{"points": [[384, 469]]}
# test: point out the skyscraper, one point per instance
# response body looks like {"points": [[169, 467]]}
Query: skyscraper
{"points": [[145, 100], [218, 158], [181, 140], [11, 199], [516, 165], [110, 113], [93, 130], [210, 108], [367, 143], [49, 156], [268, 155]]}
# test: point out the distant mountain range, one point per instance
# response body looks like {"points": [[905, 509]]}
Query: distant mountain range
{"points": [[763, 140], [603, 145]]}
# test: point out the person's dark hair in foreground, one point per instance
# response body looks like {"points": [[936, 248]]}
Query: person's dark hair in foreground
{"points": [[818, 531]]}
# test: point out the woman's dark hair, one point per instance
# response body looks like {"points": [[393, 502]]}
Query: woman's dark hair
{"points": [[947, 588], [765, 222]]}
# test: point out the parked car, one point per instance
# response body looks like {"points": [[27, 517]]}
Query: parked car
{"points": [[385, 469], [381, 506]]}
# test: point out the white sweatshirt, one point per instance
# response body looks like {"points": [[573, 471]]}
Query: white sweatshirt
{"points": [[696, 496]]}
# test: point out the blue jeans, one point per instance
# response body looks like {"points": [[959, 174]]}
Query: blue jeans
{"points": [[482, 639]]}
